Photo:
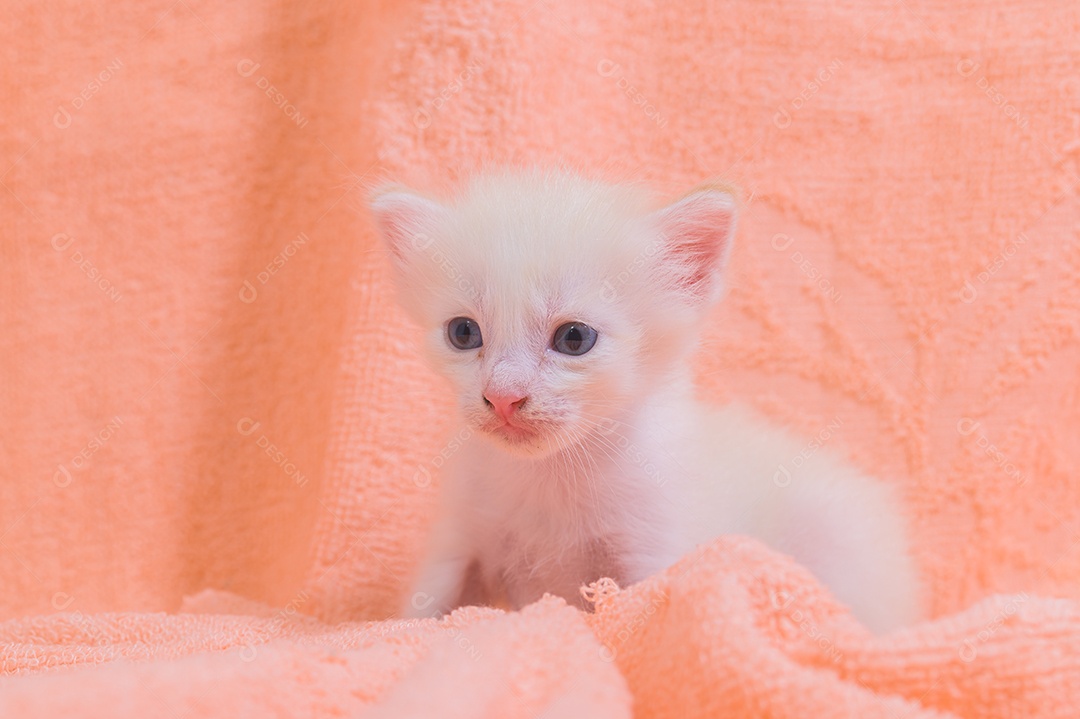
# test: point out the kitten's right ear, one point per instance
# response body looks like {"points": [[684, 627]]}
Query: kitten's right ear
{"points": [[407, 221], [697, 232]]}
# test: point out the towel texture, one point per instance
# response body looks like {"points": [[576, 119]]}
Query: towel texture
{"points": [[206, 383], [731, 630], [476, 663]]}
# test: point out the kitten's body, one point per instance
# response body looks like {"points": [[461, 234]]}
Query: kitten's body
{"points": [[608, 465]]}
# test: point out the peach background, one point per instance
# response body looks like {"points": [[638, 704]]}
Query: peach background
{"points": [[892, 171]]}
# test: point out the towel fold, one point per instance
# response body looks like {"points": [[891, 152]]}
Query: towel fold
{"points": [[733, 629]]}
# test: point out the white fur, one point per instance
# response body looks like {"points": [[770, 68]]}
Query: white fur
{"points": [[625, 471]]}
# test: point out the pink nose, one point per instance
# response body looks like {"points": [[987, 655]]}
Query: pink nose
{"points": [[504, 405]]}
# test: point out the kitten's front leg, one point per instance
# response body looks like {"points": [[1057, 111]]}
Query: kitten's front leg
{"points": [[651, 542], [627, 559], [450, 577], [438, 588]]}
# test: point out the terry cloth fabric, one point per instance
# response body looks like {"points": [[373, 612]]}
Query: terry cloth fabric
{"points": [[206, 382]]}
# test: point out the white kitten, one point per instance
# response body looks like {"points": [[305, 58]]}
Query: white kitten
{"points": [[563, 313]]}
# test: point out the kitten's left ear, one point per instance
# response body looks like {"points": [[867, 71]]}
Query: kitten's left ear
{"points": [[407, 221], [697, 233]]}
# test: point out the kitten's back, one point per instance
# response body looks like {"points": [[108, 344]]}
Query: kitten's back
{"points": [[803, 500]]}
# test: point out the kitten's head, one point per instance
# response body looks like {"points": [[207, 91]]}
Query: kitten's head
{"points": [[554, 303]]}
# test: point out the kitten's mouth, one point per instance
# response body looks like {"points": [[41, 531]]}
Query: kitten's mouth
{"points": [[510, 432], [527, 437], [513, 432]]}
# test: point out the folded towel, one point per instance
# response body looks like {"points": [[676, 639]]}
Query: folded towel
{"points": [[475, 663], [736, 630], [733, 629]]}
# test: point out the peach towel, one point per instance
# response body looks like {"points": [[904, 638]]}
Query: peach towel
{"points": [[476, 663], [205, 382], [731, 630]]}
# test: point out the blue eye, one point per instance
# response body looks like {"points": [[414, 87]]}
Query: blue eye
{"points": [[573, 338], [464, 333]]}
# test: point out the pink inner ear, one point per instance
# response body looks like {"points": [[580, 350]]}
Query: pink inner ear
{"points": [[406, 221], [698, 231]]}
